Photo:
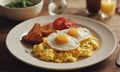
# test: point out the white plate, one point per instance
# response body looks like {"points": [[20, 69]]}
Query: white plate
{"points": [[107, 43]]}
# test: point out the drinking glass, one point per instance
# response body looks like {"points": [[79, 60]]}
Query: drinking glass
{"points": [[93, 6], [108, 8], [118, 6], [57, 6]]}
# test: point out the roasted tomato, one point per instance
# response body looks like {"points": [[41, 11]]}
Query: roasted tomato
{"points": [[69, 23], [64, 23]]}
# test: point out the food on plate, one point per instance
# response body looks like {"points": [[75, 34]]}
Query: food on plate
{"points": [[61, 52], [34, 36], [47, 29], [20, 4], [62, 47], [80, 33], [64, 23], [61, 42]]}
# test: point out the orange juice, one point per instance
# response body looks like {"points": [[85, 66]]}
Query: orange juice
{"points": [[108, 7]]}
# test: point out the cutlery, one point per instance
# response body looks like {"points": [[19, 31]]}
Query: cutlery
{"points": [[118, 59]]}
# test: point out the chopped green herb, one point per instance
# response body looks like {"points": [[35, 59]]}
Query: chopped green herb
{"points": [[20, 4], [44, 47]]}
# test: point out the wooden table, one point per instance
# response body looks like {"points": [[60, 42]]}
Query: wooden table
{"points": [[10, 64]]}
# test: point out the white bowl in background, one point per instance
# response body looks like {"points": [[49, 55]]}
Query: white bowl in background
{"points": [[20, 14]]}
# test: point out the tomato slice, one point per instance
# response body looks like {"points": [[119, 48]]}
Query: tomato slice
{"points": [[59, 23], [69, 23], [63, 23]]}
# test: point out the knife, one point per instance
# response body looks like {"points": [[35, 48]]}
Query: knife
{"points": [[118, 59]]}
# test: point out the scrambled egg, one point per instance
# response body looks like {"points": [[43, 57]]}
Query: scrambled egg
{"points": [[86, 49]]}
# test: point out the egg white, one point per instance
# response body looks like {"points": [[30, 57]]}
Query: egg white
{"points": [[72, 43], [83, 33]]}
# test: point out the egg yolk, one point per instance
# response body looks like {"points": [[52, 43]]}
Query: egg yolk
{"points": [[73, 32], [62, 39]]}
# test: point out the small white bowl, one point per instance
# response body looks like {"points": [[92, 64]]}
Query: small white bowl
{"points": [[20, 14]]}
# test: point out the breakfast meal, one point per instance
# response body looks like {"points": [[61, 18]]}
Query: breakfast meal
{"points": [[61, 41], [20, 4]]}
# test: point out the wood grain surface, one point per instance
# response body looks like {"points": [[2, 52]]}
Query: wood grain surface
{"points": [[8, 63]]}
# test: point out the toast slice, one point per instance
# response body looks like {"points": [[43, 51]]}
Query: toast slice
{"points": [[47, 29], [34, 36]]}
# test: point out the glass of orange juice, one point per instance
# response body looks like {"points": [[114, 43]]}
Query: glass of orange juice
{"points": [[108, 8]]}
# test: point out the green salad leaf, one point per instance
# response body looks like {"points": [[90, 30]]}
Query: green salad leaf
{"points": [[20, 4]]}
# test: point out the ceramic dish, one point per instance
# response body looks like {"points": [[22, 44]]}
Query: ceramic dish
{"points": [[105, 34], [20, 14]]}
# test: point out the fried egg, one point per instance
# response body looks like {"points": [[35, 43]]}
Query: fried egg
{"points": [[80, 33], [62, 42]]}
